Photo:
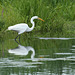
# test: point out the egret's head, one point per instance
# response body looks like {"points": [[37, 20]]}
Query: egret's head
{"points": [[36, 17]]}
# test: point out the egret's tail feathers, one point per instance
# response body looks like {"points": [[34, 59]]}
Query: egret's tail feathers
{"points": [[6, 30], [10, 28]]}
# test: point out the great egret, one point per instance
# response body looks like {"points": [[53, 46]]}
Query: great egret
{"points": [[23, 27]]}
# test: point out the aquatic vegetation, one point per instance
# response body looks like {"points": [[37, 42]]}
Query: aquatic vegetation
{"points": [[59, 15]]}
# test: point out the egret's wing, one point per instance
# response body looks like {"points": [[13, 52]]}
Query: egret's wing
{"points": [[22, 27]]}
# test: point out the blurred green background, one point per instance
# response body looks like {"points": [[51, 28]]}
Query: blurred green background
{"points": [[59, 16]]}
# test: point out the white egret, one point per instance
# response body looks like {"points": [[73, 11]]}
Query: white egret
{"points": [[23, 27]]}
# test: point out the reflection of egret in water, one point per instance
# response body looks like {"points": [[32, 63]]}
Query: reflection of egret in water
{"points": [[22, 50]]}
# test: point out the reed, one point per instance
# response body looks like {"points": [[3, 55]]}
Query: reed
{"points": [[59, 15]]}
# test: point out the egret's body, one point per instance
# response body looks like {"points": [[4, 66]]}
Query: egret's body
{"points": [[20, 28], [23, 27]]}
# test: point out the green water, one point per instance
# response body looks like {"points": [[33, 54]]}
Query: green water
{"points": [[37, 56]]}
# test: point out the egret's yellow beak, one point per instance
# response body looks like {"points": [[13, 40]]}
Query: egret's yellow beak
{"points": [[40, 19]]}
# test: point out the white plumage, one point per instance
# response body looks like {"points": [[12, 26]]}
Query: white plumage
{"points": [[20, 28]]}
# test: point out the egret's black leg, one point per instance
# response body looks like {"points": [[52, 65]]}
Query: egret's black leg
{"points": [[16, 37], [16, 42], [19, 38]]}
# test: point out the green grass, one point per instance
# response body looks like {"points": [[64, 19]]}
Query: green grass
{"points": [[59, 15]]}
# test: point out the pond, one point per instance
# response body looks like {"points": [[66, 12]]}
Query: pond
{"points": [[37, 56]]}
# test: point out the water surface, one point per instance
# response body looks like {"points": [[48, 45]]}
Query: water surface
{"points": [[37, 56]]}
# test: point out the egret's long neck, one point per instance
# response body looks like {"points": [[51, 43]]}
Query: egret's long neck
{"points": [[33, 24]]}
